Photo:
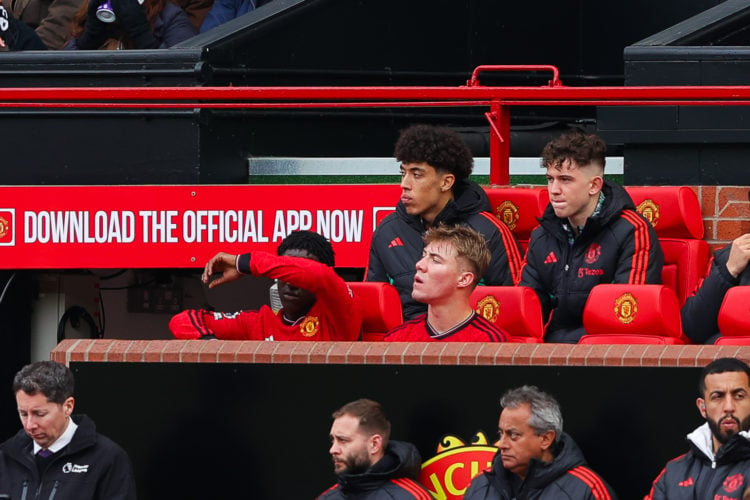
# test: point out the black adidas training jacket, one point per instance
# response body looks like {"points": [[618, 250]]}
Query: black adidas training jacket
{"points": [[566, 477], [397, 244], [616, 246]]}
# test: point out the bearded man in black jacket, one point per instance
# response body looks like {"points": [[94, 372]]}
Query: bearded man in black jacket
{"points": [[367, 463], [718, 463]]}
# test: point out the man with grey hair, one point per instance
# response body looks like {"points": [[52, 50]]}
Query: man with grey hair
{"points": [[57, 454], [535, 458]]}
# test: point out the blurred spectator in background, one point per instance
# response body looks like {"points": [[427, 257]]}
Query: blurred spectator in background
{"points": [[157, 24], [226, 10], [49, 18], [196, 11], [15, 35]]}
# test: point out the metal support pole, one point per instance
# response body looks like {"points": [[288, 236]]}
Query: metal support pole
{"points": [[499, 118]]}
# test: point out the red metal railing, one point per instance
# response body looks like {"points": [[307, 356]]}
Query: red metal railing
{"points": [[499, 100]]}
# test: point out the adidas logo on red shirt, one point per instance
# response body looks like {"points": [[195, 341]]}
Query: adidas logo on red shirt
{"points": [[551, 258], [396, 242]]}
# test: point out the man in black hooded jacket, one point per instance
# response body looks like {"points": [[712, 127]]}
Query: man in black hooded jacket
{"points": [[435, 189], [58, 455], [590, 233], [536, 460], [367, 464], [729, 269], [16, 35], [717, 466]]}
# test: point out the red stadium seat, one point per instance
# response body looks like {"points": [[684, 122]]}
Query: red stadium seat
{"points": [[734, 317], [675, 213], [381, 308], [513, 309], [519, 208], [632, 314], [733, 341]]}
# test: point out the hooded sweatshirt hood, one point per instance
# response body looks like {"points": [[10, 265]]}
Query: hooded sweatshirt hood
{"points": [[401, 459], [702, 440]]}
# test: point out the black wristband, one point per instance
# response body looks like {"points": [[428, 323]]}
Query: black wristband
{"points": [[243, 263]]}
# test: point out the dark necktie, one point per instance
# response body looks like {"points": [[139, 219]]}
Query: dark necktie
{"points": [[44, 453]]}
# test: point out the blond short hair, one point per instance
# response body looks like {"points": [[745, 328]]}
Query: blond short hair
{"points": [[469, 244]]}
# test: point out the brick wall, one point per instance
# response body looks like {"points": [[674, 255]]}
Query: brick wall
{"points": [[726, 212], [726, 215], [386, 353]]}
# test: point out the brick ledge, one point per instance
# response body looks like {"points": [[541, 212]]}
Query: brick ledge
{"points": [[384, 353]]}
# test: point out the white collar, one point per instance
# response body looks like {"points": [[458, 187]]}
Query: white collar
{"points": [[62, 441], [703, 439]]}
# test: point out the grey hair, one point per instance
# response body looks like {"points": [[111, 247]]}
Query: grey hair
{"points": [[545, 410], [53, 380]]}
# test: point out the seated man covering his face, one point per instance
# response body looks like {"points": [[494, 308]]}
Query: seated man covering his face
{"points": [[316, 303]]}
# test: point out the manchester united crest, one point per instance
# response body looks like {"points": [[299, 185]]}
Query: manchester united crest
{"points": [[310, 326], [649, 210], [626, 307], [508, 213], [592, 253], [4, 227], [7, 231], [488, 308], [448, 474], [732, 483]]}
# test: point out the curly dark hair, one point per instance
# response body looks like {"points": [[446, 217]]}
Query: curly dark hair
{"points": [[52, 379], [439, 147], [310, 241], [577, 146]]}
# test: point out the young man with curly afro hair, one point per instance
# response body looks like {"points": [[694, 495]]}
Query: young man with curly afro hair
{"points": [[435, 189]]}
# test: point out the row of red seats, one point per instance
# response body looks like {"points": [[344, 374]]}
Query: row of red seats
{"points": [[513, 309], [674, 211], [613, 313]]}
